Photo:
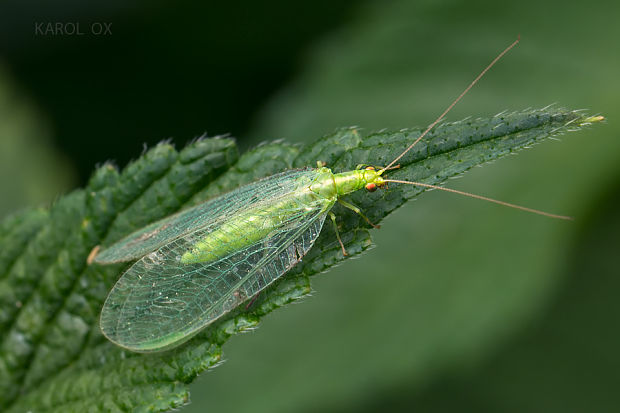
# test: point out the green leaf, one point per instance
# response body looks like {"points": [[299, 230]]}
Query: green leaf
{"points": [[53, 356]]}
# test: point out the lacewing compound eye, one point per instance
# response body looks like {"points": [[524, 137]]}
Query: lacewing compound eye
{"points": [[371, 187], [370, 168]]}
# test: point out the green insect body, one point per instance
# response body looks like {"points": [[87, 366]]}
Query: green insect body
{"points": [[258, 223], [199, 264]]}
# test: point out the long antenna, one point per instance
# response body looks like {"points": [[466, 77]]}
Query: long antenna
{"points": [[484, 198], [432, 125]]}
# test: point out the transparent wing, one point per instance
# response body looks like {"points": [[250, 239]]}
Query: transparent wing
{"points": [[160, 303], [207, 214]]}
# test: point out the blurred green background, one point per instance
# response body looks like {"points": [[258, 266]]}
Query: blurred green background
{"points": [[462, 305]]}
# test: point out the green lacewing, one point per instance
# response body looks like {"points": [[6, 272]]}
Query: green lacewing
{"points": [[197, 265]]}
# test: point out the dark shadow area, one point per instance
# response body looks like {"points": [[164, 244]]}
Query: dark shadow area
{"points": [[162, 70]]}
